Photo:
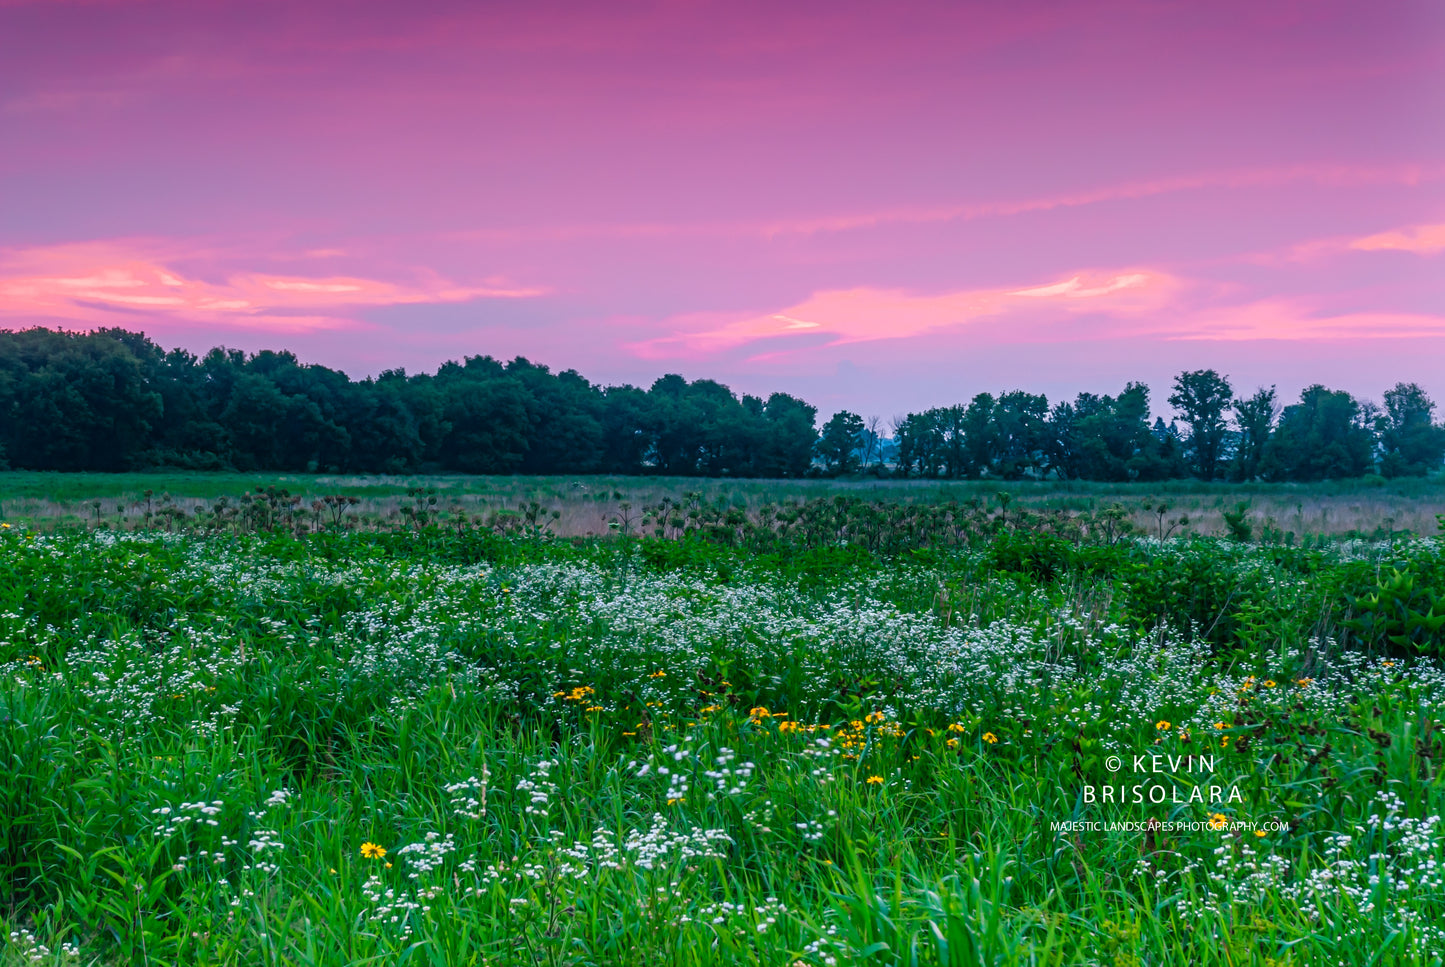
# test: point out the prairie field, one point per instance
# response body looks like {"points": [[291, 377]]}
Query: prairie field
{"points": [[586, 505], [453, 746]]}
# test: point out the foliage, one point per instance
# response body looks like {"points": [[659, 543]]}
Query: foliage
{"points": [[1202, 397], [450, 745], [1326, 435], [113, 400]]}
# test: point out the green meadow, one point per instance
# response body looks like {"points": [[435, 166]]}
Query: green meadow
{"points": [[585, 506], [831, 731]]}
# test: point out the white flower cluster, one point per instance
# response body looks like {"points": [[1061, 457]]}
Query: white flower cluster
{"points": [[741, 917], [468, 798], [264, 842], [428, 855], [200, 813], [648, 849], [540, 788], [394, 908], [32, 951]]}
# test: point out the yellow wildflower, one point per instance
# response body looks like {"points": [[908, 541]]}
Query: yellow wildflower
{"points": [[990, 738], [1162, 725], [875, 780], [372, 852]]}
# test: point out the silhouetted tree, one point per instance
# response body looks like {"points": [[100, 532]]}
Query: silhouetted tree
{"points": [[1412, 445], [1254, 419], [1323, 436], [1201, 397], [838, 446]]}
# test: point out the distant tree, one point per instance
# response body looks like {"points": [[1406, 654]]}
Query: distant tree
{"points": [[1109, 438], [977, 433], [565, 414], [838, 445], [1412, 443], [872, 441], [1020, 435], [489, 429], [908, 434], [77, 401], [1254, 421], [626, 413], [1322, 437], [788, 436], [1201, 397]]}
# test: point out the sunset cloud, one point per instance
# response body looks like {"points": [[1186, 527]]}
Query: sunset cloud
{"points": [[866, 314], [93, 283], [1421, 239], [1298, 322]]}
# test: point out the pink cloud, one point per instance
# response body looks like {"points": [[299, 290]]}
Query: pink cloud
{"points": [[1420, 239], [1297, 321], [867, 314], [94, 283]]}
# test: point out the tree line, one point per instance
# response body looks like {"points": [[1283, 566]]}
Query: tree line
{"points": [[1327, 434], [113, 400]]}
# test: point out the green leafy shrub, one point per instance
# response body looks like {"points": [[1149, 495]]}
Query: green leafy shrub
{"points": [[1402, 611]]}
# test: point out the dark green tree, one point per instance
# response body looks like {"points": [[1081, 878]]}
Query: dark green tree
{"points": [[1202, 397], [838, 445], [1325, 436], [788, 436], [1254, 422], [1411, 443]]}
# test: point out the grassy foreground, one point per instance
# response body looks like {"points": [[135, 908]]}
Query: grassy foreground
{"points": [[457, 748]]}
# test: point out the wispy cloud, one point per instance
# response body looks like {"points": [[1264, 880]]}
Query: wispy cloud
{"points": [[89, 283], [1297, 320], [1420, 239], [868, 314], [1135, 304]]}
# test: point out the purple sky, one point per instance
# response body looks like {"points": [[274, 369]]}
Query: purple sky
{"points": [[881, 206]]}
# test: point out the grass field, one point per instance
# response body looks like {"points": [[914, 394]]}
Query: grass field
{"points": [[450, 747], [586, 504]]}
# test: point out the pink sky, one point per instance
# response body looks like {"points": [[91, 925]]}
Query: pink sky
{"points": [[878, 206]]}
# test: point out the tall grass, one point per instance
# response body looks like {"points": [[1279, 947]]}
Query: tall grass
{"points": [[355, 749], [587, 505]]}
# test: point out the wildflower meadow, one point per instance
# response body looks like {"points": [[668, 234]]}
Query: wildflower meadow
{"points": [[452, 746]]}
